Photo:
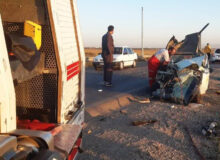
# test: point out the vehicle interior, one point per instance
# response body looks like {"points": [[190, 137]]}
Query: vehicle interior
{"points": [[34, 69], [117, 50]]}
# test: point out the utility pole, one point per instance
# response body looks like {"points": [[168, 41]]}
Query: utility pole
{"points": [[142, 32]]}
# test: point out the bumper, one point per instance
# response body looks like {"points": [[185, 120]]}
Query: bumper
{"points": [[101, 64]]}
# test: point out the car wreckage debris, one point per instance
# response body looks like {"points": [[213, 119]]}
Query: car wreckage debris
{"points": [[140, 100], [89, 131], [143, 122], [179, 92], [186, 77], [124, 111], [210, 130], [195, 105], [218, 92], [172, 106]]}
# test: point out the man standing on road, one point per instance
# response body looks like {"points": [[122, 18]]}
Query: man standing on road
{"points": [[162, 57], [208, 50], [107, 55]]}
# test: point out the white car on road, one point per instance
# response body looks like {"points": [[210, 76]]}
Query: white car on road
{"points": [[122, 57], [216, 55]]}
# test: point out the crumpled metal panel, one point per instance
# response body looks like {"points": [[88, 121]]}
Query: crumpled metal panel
{"points": [[185, 74], [184, 93], [188, 62], [188, 74], [191, 45]]}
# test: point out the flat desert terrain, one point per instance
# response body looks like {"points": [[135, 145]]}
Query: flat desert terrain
{"points": [[92, 52]]}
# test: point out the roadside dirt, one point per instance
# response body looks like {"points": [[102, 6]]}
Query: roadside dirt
{"points": [[176, 134]]}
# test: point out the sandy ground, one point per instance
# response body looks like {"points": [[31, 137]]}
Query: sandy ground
{"points": [[175, 135]]}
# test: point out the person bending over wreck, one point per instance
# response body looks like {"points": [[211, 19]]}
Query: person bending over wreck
{"points": [[162, 57]]}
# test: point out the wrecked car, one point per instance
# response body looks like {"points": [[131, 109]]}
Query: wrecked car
{"points": [[186, 77]]}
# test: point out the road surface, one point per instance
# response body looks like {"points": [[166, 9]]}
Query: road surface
{"points": [[124, 81]]}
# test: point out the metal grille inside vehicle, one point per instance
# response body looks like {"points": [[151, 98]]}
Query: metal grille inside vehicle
{"points": [[37, 98]]}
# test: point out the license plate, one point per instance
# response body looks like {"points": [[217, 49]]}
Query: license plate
{"points": [[101, 63]]}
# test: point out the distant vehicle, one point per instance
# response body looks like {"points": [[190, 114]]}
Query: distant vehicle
{"points": [[122, 57], [216, 55]]}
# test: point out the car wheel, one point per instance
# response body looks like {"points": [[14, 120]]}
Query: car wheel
{"points": [[121, 65], [134, 64]]}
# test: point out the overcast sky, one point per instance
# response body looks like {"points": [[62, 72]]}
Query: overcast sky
{"points": [[162, 19]]}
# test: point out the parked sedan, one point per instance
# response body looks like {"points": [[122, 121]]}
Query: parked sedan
{"points": [[122, 57], [216, 56]]}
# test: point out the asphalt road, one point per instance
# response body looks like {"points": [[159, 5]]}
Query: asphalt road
{"points": [[124, 81]]}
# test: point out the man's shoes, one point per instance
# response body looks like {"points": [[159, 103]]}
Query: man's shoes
{"points": [[108, 84]]}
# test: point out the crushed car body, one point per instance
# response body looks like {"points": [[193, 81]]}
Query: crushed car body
{"points": [[186, 77]]}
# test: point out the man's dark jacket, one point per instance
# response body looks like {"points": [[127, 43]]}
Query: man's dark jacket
{"points": [[107, 47]]}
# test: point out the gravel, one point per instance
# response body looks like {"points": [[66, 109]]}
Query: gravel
{"points": [[175, 135]]}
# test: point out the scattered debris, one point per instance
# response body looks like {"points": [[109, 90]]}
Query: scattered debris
{"points": [[218, 92], [173, 106], [144, 101], [123, 111], [102, 119], [89, 131], [140, 100], [210, 130], [195, 105], [144, 122]]}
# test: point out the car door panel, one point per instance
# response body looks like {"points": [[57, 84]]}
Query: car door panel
{"points": [[131, 57], [125, 57]]}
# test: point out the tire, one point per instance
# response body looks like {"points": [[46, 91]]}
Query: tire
{"points": [[134, 64], [121, 65]]}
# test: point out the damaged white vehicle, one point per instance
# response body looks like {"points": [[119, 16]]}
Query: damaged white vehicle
{"points": [[187, 75]]}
